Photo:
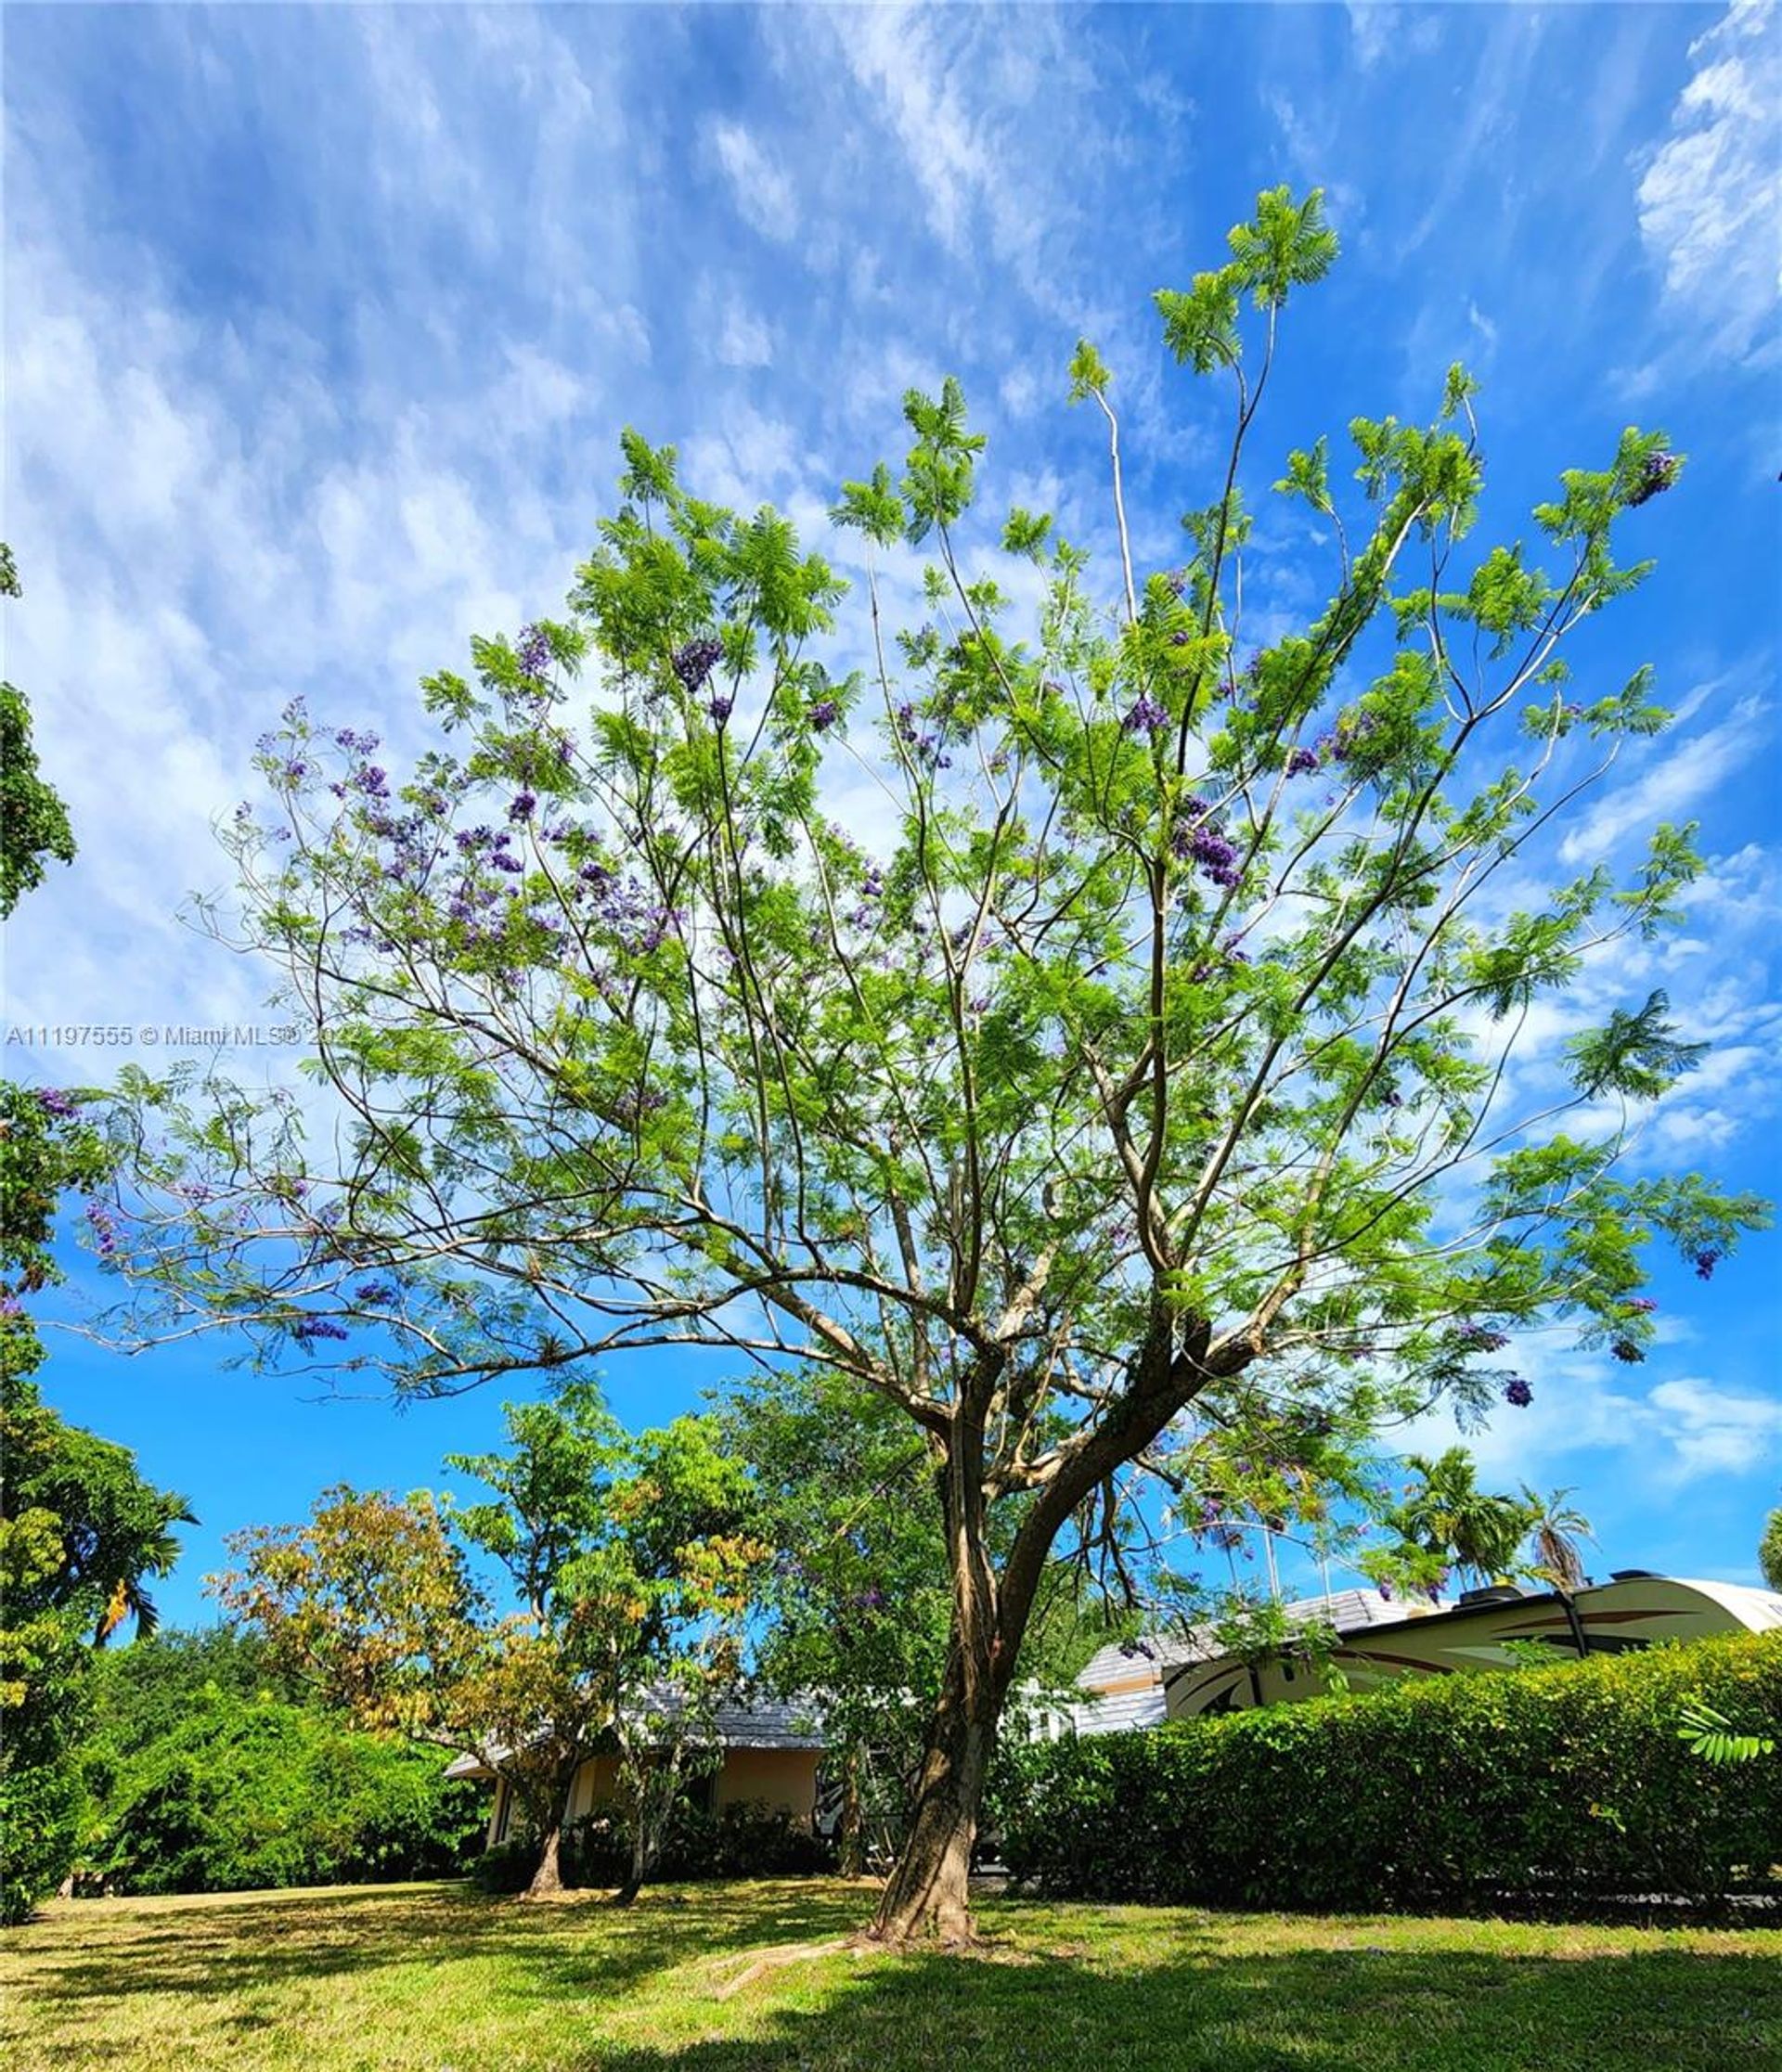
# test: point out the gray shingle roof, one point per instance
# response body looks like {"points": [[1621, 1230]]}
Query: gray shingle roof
{"points": [[745, 1723], [1348, 1610]]}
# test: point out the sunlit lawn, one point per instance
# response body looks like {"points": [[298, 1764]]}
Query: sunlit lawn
{"points": [[435, 1977]]}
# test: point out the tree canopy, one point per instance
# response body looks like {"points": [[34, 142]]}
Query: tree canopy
{"points": [[1131, 1067], [625, 1563]]}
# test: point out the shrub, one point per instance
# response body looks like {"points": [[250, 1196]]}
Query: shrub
{"points": [[40, 1818], [752, 1840], [1566, 1783], [247, 1793]]}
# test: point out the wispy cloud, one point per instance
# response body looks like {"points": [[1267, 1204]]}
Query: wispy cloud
{"points": [[759, 185], [1708, 201], [1672, 783]]}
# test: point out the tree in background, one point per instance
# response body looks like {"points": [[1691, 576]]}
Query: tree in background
{"points": [[1145, 1046], [80, 1529], [627, 1559], [1455, 1524], [1555, 1531], [1769, 1552], [34, 820], [206, 1771]]}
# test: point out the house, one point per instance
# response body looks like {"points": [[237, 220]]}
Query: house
{"points": [[769, 1755], [1378, 1639]]}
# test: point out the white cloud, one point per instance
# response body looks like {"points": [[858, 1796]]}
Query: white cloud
{"points": [[1711, 1430], [1675, 1431], [1378, 30], [743, 339], [1708, 206], [1667, 786], [763, 193]]}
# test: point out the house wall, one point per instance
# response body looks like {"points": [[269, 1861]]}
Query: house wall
{"points": [[784, 1778]]}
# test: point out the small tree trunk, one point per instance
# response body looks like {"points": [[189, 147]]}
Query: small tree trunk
{"points": [[657, 1791], [850, 1830], [548, 1879]]}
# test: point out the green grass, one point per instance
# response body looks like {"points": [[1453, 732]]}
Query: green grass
{"points": [[433, 1979]]}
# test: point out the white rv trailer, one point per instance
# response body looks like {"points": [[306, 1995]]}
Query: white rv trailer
{"points": [[1484, 1630]]}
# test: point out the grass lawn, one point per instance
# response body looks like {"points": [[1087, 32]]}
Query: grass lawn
{"points": [[438, 1979]]}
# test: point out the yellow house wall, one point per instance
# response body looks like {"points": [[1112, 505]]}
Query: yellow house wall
{"points": [[784, 1778]]}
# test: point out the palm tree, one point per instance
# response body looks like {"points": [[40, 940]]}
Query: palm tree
{"points": [[1555, 1529], [1447, 1514]]}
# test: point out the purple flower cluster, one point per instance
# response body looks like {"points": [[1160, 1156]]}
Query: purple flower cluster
{"points": [[1707, 1260], [1658, 475], [1482, 1338], [53, 1102], [534, 651], [1516, 1390], [695, 661], [105, 1231], [523, 805], [927, 746], [312, 1328], [1217, 857], [1301, 760], [1642, 1305], [1350, 733], [356, 744], [1626, 1351], [823, 714], [1145, 716], [376, 1292], [720, 709]]}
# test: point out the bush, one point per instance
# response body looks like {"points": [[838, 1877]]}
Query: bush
{"points": [[752, 1840], [1549, 1785], [249, 1794], [40, 1820]]}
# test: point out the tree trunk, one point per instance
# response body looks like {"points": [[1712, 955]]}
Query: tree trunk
{"points": [[548, 1879], [850, 1828], [928, 1892], [927, 1896], [657, 1791]]}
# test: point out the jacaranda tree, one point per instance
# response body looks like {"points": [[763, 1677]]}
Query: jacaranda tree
{"points": [[1145, 1077]]}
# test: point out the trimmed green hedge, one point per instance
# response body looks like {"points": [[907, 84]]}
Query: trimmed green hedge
{"points": [[1558, 1784]]}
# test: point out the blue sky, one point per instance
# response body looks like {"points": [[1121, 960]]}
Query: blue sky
{"points": [[321, 326]]}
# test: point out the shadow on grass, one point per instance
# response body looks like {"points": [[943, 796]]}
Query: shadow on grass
{"points": [[1204, 2010], [243, 1945], [588, 1988]]}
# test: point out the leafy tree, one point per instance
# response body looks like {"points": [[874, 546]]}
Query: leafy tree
{"points": [[206, 1772], [1456, 1523], [34, 820], [80, 1529], [1769, 1552], [627, 1562], [1555, 1532], [1156, 1059]]}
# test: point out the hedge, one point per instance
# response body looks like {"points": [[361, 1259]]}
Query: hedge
{"points": [[752, 1840], [1554, 1784]]}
